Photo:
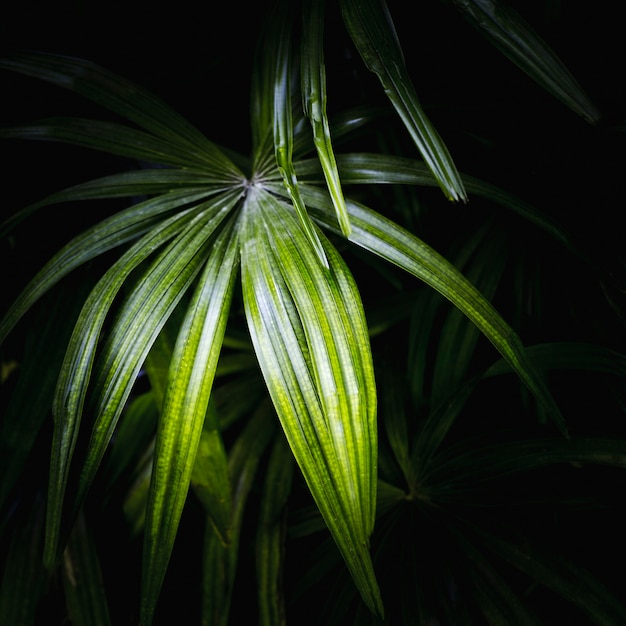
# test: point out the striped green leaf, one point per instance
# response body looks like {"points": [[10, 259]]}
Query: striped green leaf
{"points": [[106, 235], [383, 169], [314, 99], [386, 239], [309, 333], [139, 321], [283, 131], [373, 33], [76, 370], [185, 405]]}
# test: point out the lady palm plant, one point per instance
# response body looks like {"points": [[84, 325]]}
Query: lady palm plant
{"points": [[223, 359]]}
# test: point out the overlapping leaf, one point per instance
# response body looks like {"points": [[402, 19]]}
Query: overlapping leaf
{"points": [[385, 169], [305, 317], [185, 405], [219, 559], [309, 333], [114, 231], [283, 131], [126, 99], [314, 99], [144, 313], [386, 239]]}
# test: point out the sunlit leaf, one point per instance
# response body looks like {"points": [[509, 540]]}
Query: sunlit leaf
{"points": [[76, 369], [185, 405], [318, 371], [107, 234], [283, 136], [144, 314], [391, 242], [382, 169]]}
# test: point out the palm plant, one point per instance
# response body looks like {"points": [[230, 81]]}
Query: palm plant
{"points": [[250, 346]]}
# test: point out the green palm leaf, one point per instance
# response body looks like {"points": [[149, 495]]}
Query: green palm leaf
{"points": [[283, 131], [383, 169], [124, 98], [144, 313], [386, 239], [508, 32], [190, 379], [179, 256], [76, 370], [115, 139], [107, 234], [373, 33], [220, 560], [314, 100], [318, 371], [179, 184], [271, 534]]}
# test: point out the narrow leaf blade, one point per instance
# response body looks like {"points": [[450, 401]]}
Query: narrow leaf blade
{"points": [[386, 239], [373, 33], [180, 426], [314, 98], [120, 96], [310, 337], [514, 37]]}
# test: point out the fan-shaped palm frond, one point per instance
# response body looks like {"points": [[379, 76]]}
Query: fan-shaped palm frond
{"points": [[226, 283]]}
